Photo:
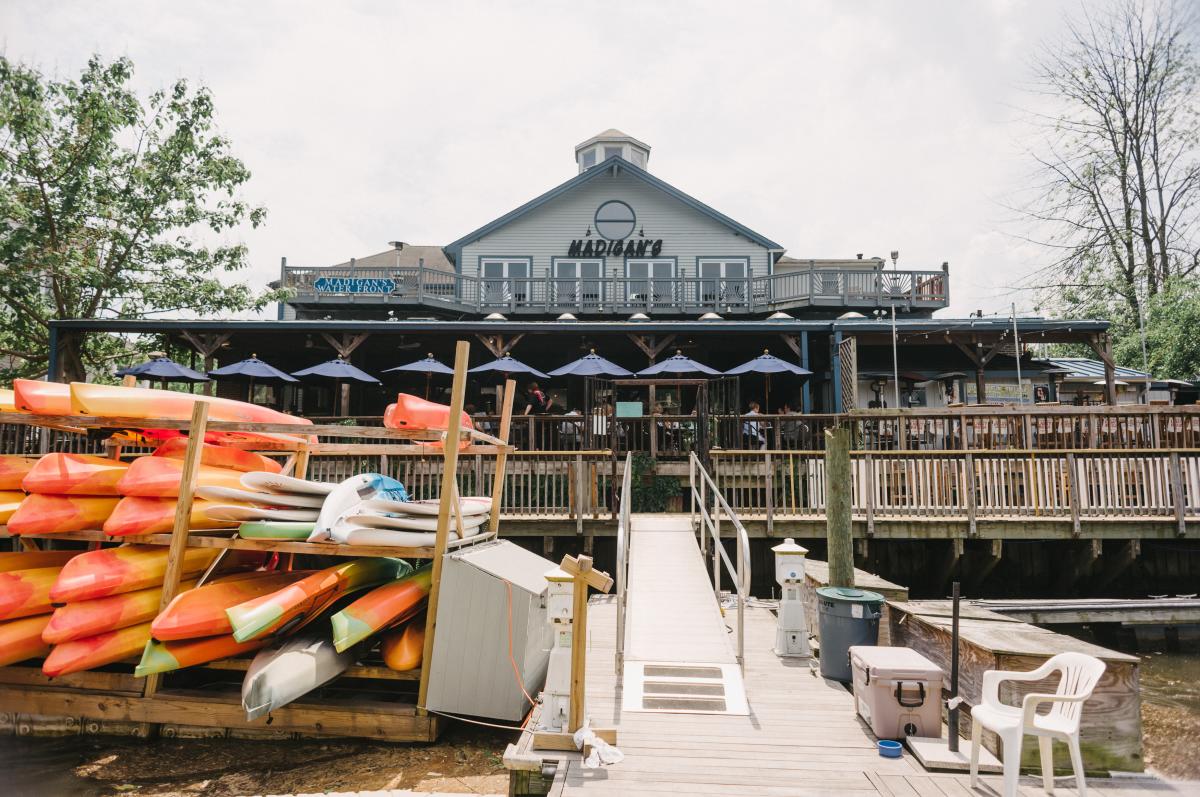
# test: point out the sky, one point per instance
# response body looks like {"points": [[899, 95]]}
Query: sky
{"points": [[834, 128]]}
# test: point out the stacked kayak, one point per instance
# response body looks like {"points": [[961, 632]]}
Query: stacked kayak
{"points": [[381, 608], [13, 469], [25, 607], [413, 412], [151, 487], [67, 492], [220, 456]]}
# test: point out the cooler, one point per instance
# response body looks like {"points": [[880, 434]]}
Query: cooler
{"points": [[897, 691]]}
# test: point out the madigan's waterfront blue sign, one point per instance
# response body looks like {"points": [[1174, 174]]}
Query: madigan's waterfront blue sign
{"points": [[353, 285]]}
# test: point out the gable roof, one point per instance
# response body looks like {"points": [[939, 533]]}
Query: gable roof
{"points": [[615, 162], [1086, 368]]}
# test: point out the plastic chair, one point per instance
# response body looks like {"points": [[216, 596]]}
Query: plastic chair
{"points": [[1080, 673]]}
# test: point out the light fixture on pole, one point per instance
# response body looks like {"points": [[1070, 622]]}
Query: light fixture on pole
{"points": [[1017, 353], [895, 354]]}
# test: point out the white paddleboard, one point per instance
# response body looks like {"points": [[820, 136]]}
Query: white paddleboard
{"points": [[275, 483], [347, 495], [372, 520], [292, 500], [350, 534], [244, 513], [471, 505]]}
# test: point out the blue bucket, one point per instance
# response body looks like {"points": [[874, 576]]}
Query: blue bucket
{"points": [[890, 749]]}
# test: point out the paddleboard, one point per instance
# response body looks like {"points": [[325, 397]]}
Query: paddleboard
{"points": [[219, 456], [402, 648], [381, 608], [27, 560], [160, 477], [235, 513], [13, 468], [201, 612], [9, 501], [26, 592], [138, 515], [109, 571], [41, 398], [275, 530], [289, 669], [351, 492], [55, 514], [283, 500], [407, 523], [175, 655], [22, 639], [471, 505], [96, 651], [305, 598], [74, 474], [96, 616], [277, 483]]}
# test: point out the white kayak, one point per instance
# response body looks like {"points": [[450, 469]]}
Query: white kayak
{"points": [[399, 522], [275, 483], [217, 492], [471, 505], [350, 493], [291, 669], [244, 513]]}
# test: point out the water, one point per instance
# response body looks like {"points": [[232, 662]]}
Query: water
{"points": [[1172, 679], [34, 766]]}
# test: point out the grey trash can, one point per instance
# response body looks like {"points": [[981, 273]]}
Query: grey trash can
{"points": [[846, 617]]}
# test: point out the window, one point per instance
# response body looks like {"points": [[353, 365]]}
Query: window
{"points": [[577, 283], [723, 280], [613, 151], [588, 158], [505, 280], [651, 282]]}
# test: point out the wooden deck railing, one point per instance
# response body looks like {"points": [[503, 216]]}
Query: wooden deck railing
{"points": [[1069, 485]]}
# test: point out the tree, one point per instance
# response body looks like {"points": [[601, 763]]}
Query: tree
{"points": [[1119, 159], [105, 201]]}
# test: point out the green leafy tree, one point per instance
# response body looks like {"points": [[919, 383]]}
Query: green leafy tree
{"points": [[106, 202]]}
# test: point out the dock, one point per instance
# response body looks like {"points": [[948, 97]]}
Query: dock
{"points": [[799, 735]]}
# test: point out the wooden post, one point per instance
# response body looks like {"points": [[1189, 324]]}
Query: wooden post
{"points": [[1073, 493], [449, 484], [510, 391], [972, 501], [838, 494], [1177, 494], [579, 616], [183, 517]]}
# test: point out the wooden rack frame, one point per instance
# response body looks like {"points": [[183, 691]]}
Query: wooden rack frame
{"points": [[118, 699]]}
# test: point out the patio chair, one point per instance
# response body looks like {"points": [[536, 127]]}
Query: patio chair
{"points": [[1080, 673]]}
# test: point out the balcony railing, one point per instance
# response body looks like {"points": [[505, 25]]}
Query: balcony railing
{"points": [[617, 295]]}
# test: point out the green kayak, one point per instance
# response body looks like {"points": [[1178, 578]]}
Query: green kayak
{"points": [[275, 530]]}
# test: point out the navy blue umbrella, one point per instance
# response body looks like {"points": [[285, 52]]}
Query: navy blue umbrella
{"points": [[165, 370], [591, 364], [337, 369], [767, 364], [678, 364], [508, 365], [252, 368], [428, 366]]}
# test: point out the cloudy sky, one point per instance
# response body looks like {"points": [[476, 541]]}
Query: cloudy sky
{"points": [[834, 128]]}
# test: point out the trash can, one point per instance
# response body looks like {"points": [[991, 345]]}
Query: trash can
{"points": [[846, 616], [897, 691]]}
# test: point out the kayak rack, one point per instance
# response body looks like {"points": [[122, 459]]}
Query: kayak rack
{"points": [[368, 701]]}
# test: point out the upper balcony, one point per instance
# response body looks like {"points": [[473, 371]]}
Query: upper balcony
{"points": [[435, 289]]}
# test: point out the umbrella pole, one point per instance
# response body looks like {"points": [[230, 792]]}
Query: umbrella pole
{"points": [[767, 395], [428, 382]]}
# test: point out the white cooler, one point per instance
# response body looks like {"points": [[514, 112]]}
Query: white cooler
{"points": [[898, 691]]}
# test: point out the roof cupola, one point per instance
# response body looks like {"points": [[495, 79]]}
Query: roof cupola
{"points": [[611, 143]]}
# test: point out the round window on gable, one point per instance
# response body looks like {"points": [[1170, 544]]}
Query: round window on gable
{"points": [[615, 220]]}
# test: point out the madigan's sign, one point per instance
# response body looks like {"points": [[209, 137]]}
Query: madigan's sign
{"points": [[639, 248]]}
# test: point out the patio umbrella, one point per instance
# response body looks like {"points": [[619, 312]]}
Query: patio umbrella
{"points": [[767, 364], [251, 369], [163, 369], [591, 364], [678, 364], [338, 370], [507, 365], [428, 366]]}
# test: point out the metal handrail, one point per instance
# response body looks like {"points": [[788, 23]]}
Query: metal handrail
{"points": [[711, 523], [623, 560]]}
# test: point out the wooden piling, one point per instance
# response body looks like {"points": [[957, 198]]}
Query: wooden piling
{"points": [[839, 487]]}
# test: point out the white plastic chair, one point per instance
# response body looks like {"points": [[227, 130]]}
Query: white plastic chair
{"points": [[1080, 673]]}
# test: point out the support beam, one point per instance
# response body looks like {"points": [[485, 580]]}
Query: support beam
{"points": [[498, 345], [651, 345], [1101, 346], [207, 346], [345, 344]]}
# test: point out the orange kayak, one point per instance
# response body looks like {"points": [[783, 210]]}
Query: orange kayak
{"points": [[9, 501], [114, 401], [13, 468], [159, 477], [26, 592], [201, 612], [55, 514], [306, 598], [179, 653], [22, 639], [96, 651], [220, 456], [382, 607], [6, 400], [402, 648], [27, 560], [109, 571], [95, 616], [137, 515], [413, 412], [74, 474], [41, 398]]}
